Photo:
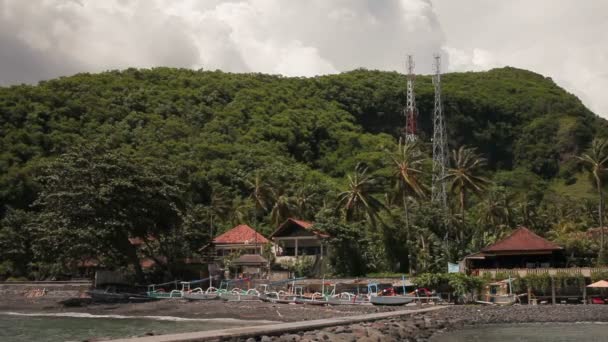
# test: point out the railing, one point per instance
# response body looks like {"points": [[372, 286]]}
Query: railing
{"points": [[522, 272]]}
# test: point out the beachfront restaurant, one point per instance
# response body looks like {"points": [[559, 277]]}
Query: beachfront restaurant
{"points": [[522, 249]]}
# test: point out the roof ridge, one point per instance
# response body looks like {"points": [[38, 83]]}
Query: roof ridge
{"points": [[522, 238]]}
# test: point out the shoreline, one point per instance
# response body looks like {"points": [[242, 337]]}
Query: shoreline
{"points": [[415, 327]]}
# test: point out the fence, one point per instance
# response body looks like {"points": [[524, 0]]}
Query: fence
{"points": [[522, 272]]}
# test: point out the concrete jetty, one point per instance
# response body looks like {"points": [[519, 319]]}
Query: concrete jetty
{"points": [[274, 329]]}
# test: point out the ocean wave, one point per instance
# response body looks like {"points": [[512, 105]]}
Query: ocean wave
{"points": [[157, 318]]}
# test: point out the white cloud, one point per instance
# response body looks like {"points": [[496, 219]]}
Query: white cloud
{"points": [[562, 39], [301, 38]]}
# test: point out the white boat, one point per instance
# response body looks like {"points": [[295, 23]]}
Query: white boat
{"points": [[239, 296], [198, 294], [278, 297], [392, 300], [347, 298]]}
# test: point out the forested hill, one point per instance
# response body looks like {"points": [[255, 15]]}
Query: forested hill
{"points": [[216, 123], [220, 133]]}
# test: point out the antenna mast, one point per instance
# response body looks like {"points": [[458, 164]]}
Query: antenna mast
{"points": [[411, 113], [440, 149]]}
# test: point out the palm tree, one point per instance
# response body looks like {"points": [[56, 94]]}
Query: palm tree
{"points": [[218, 207], [463, 176], [495, 209], [282, 208], [407, 162], [357, 201], [596, 160], [261, 194], [304, 202]]}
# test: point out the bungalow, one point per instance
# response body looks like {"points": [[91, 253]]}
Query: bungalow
{"points": [[522, 249], [242, 239], [242, 242], [295, 238]]}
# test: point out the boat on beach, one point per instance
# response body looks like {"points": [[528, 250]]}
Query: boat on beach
{"points": [[198, 294], [238, 295], [279, 297], [157, 290], [112, 295], [347, 298], [392, 300]]}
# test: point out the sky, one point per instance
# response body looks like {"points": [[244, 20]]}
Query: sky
{"points": [[563, 39]]}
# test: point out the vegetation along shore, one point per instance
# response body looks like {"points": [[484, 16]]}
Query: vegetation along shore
{"points": [[93, 160]]}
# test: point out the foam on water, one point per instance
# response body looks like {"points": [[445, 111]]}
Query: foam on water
{"points": [[157, 318]]}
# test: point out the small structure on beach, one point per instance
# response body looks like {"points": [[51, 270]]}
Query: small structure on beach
{"points": [[250, 265], [521, 249]]}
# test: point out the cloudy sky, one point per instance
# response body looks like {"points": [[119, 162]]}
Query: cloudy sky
{"points": [[564, 39]]}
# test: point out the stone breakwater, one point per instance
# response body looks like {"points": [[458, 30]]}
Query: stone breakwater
{"points": [[420, 327]]}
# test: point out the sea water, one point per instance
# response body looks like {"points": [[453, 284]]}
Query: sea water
{"points": [[541, 332], [19, 327]]}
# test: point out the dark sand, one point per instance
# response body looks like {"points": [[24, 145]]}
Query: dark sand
{"points": [[254, 310]]}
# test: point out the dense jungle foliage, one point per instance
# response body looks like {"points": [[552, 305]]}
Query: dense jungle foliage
{"points": [[91, 160]]}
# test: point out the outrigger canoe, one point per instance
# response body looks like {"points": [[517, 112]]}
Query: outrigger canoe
{"points": [[198, 294], [392, 300], [240, 296]]}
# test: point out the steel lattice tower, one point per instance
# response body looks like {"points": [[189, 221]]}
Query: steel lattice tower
{"points": [[440, 149], [411, 113]]}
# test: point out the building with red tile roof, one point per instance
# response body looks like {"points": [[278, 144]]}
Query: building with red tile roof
{"points": [[522, 240], [521, 249], [241, 238], [241, 234], [296, 238]]}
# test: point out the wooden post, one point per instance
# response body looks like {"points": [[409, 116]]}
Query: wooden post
{"points": [[296, 247], [584, 291], [553, 290], [529, 295]]}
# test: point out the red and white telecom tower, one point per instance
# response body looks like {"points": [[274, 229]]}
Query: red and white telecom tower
{"points": [[411, 113]]}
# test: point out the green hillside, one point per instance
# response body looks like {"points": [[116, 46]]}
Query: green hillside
{"points": [[259, 148]]}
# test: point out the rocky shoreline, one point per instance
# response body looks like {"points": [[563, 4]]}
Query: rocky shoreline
{"points": [[421, 327], [415, 327]]}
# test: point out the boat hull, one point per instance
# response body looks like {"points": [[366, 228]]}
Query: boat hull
{"points": [[342, 301], [200, 296], [392, 300], [234, 297]]}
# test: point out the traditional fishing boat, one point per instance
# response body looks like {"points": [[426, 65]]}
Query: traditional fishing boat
{"points": [[158, 290], [392, 300], [314, 299], [238, 295], [111, 295], [347, 298], [198, 294], [280, 297]]}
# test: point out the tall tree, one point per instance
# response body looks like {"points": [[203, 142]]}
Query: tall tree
{"points": [[358, 201], [595, 160], [92, 202], [407, 164], [464, 175], [260, 194], [282, 208]]}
